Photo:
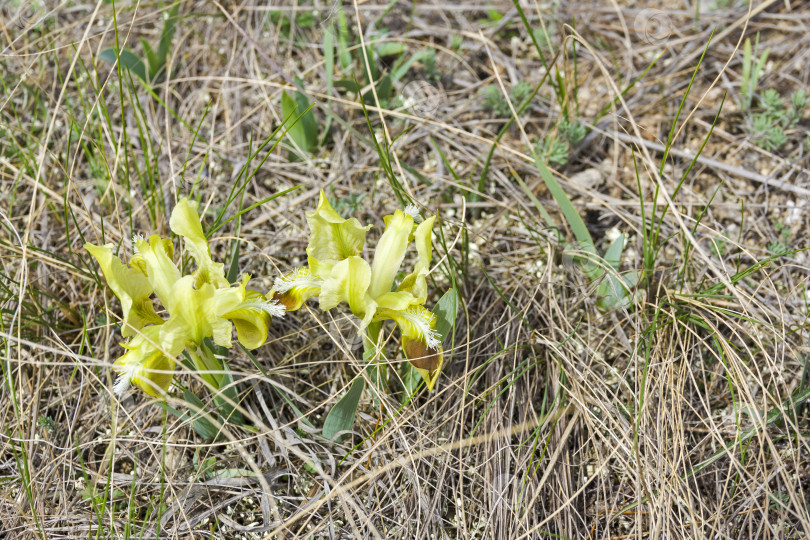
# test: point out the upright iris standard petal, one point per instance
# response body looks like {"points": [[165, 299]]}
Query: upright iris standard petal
{"points": [[390, 253], [185, 221], [130, 286], [160, 270], [416, 282], [348, 282], [332, 238], [144, 365], [295, 288]]}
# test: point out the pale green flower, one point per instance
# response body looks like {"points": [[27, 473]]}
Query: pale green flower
{"points": [[338, 273], [200, 305]]}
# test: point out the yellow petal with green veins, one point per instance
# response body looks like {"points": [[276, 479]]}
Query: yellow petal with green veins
{"points": [[130, 286], [251, 315], [185, 221], [332, 238], [137, 261], [348, 282], [396, 301], [389, 253], [415, 322]]}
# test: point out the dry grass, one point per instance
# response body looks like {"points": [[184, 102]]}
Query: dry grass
{"points": [[681, 416]]}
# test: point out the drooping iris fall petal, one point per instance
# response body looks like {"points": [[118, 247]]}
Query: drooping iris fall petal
{"points": [[144, 365], [295, 288]]}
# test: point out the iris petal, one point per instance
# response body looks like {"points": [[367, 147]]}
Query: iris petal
{"points": [[160, 270], [185, 221], [332, 238], [295, 288], [348, 282], [144, 365], [130, 286], [390, 253]]}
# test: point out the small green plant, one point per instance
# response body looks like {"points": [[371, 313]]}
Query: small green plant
{"points": [[768, 126], [543, 35], [349, 204], [557, 148], [152, 69], [385, 62], [780, 246], [494, 100], [303, 128], [47, 423], [303, 19], [553, 149]]}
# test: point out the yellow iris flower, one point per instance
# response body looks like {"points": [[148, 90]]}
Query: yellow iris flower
{"points": [[202, 304], [337, 272]]}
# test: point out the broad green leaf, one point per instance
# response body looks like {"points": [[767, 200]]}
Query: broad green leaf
{"points": [[151, 58], [128, 59], [230, 473], [233, 268], [445, 310], [329, 56], [613, 291], [341, 417], [401, 69], [613, 255], [384, 89], [229, 395], [390, 48], [165, 41], [569, 212], [307, 120], [302, 131], [410, 381], [202, 425]]}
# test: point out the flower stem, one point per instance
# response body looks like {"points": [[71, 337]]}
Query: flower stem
{"points": [[377, 370], [205, 362]]}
